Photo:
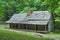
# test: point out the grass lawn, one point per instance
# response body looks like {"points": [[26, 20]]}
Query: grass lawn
{"points": [[54, 34], [9, 35], [18, 36], [2, 25]]}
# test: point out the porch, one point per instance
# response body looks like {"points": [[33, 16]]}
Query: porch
{"points": [[30, 27]]}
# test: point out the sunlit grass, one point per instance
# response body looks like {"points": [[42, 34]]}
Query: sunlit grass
{"points": [[54, 34], [8, 35], [2, 25]]}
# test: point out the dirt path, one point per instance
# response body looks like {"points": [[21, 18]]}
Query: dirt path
{"points": [[33, 33]]}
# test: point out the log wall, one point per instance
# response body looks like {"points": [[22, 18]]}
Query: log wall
{"points": [[29, 27]]}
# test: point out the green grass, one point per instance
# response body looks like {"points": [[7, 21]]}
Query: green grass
{"points": [[54, 34], [2, 25], [15, 36], [8, 35]]}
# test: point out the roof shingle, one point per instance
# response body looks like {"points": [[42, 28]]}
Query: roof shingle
{"points": [[37, 17]]}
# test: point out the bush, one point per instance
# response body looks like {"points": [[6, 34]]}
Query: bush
{"points": [[57, 25]]}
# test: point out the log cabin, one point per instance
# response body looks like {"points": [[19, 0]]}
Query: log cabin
{"points": [[39, 21]]}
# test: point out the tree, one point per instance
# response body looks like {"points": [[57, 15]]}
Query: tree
{"points": [[10, 7]]}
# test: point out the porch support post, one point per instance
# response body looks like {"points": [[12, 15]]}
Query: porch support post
{"points": [[26, 26], [35, 27], [45, 27], [18, 26], [10, 25]]}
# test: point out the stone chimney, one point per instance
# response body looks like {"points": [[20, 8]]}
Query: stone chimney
{"points": [[29, 12]]}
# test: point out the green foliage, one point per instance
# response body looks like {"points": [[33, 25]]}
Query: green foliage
{"points": [[9, 35], [9, 7]]}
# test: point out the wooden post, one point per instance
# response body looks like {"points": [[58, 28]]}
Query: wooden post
{"points": [[26, 27], [14, 26], [35, 27], [45, 27], [10, 25], [18, 26]]}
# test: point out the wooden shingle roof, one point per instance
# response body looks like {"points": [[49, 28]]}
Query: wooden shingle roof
{"points": [[40, 15], [37, 17]]}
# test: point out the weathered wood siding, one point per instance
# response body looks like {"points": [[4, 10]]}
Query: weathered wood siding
{"points": [[50, 25], [22, 26], [29, 27], [42, 27]]}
